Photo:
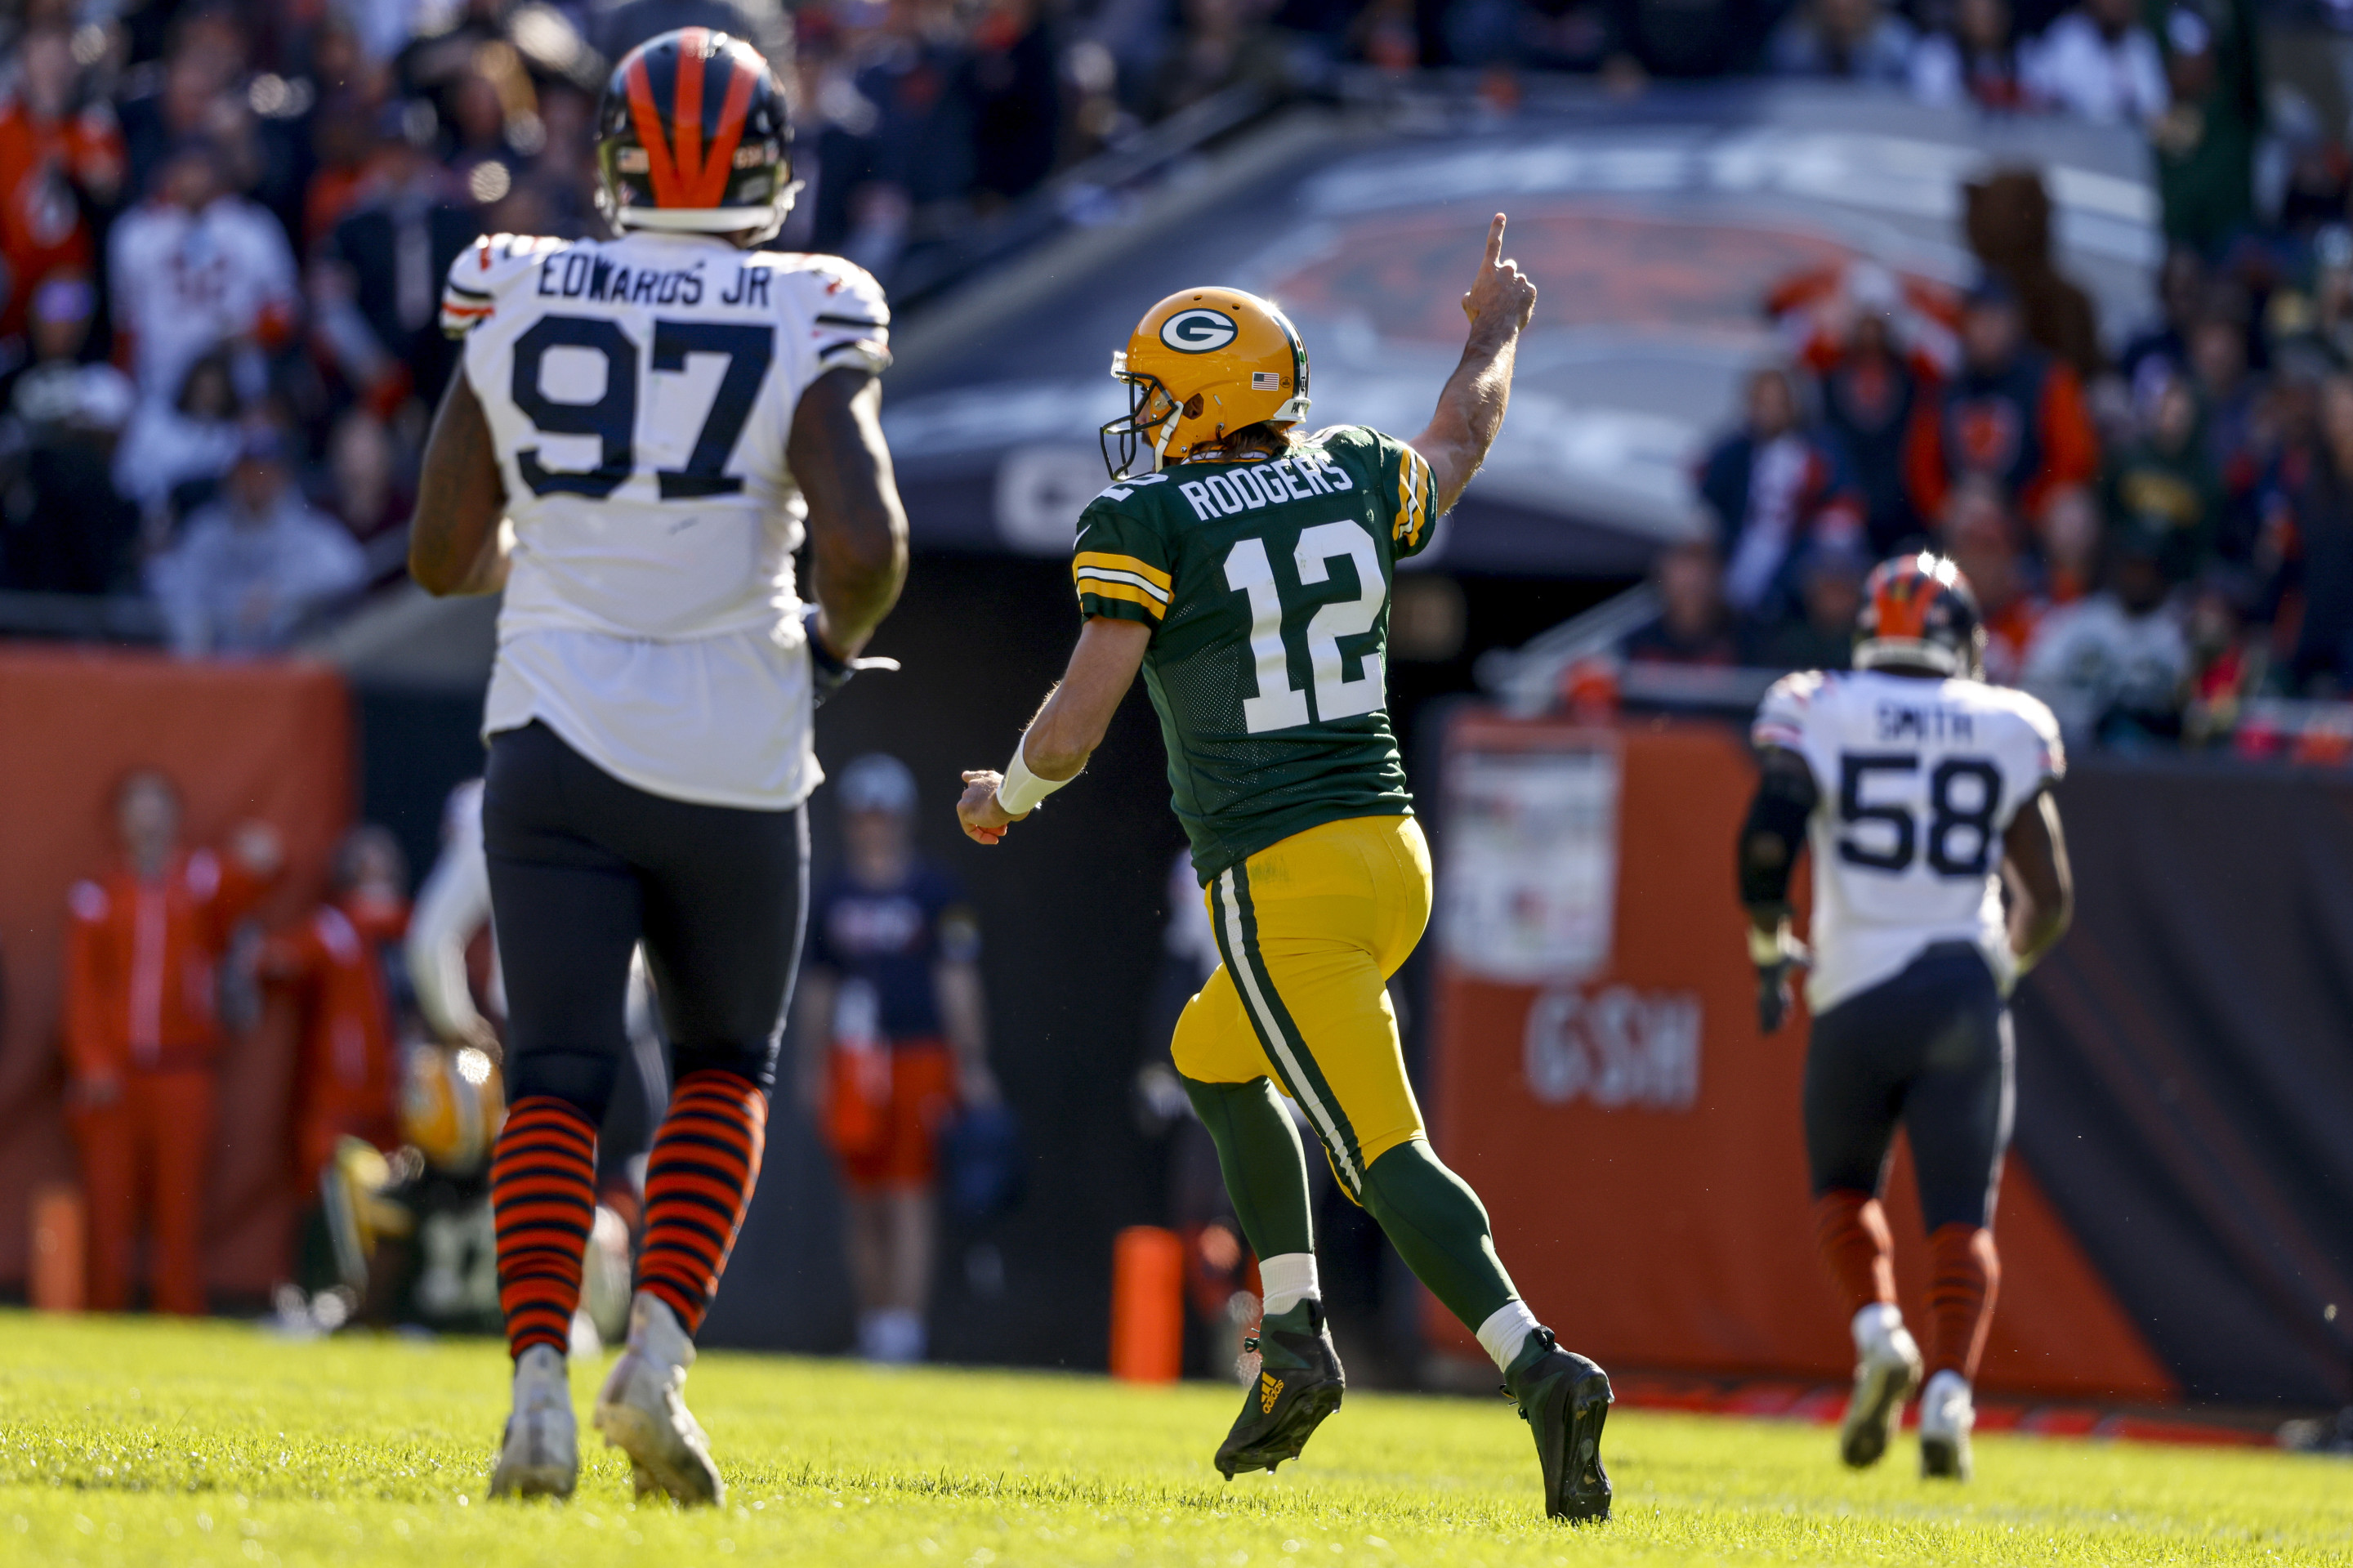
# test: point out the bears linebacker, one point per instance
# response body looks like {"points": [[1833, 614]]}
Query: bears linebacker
{"points": [[1918, 789]]}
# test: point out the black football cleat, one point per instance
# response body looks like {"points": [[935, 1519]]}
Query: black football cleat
{"points": [[1299, 1383], [1565, 1398]]}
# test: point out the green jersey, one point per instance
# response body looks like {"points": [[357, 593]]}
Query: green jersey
{"points": [[1266, 584]]}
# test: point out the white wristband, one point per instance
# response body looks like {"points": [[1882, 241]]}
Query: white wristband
{"points": [[1021, 791]]}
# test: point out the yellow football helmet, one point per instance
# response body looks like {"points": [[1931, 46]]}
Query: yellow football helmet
{"points": [[1202, 364], [451, 1103]]}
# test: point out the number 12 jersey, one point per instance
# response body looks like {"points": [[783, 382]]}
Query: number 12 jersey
{"points": [[1918, 780], [1266, 585], [640, 393]]}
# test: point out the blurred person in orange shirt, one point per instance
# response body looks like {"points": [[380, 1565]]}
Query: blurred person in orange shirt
{"points": [[142, 1038], [55, 152], [347, 1074]]}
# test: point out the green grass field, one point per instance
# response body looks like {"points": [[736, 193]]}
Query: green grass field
{"points": [[130, 1442]]}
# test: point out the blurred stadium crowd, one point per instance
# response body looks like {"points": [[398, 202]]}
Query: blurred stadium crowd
{"points": [[223, 229]]}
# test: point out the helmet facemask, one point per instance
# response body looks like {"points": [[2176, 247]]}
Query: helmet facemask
{"points": [[1151, 419]]}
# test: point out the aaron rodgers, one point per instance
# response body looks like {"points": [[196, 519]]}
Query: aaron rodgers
{"points": [[1247, 573]]}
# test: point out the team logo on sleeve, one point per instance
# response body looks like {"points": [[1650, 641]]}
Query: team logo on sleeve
{"points": [[1198, 331]]}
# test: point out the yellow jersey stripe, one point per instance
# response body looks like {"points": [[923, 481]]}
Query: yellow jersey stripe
{"points": [[1413, 491], [1097, 575], [1102, 588], [1144, 569]]}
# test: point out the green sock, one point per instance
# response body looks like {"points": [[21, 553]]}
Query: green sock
{"points": [[1265, 1168], [1440, 1227]]}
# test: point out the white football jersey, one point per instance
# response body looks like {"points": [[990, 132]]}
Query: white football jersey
{"points": [[640, 393], [1918, 781], [185, 281]]}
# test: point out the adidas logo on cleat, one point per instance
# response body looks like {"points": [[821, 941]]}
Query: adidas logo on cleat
{"points": [[1269, 1389]]}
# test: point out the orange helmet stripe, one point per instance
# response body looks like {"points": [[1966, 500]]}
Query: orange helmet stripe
{"points": [[682, 173], [658, 166], [711, 188]]}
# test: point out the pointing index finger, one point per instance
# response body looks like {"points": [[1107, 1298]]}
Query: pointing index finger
{"points": [[1495, 240]]}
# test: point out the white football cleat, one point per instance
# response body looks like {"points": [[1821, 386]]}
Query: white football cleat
{"points": [[641, 1410], [540, 1454], [1887, 1371], [1947, 1413]]}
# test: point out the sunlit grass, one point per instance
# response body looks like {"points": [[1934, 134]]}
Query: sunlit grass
{"points": [[126, 1441]]}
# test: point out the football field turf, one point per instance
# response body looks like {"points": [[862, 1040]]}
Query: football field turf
{"points": [[132, 1442]]}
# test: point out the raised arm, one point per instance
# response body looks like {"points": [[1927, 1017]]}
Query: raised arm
{"points": [[1470, 409], [2034, 859], [858, 529], [1069, 727], [454, 546]]}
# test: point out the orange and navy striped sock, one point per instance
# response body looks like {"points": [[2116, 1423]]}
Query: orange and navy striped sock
{"points": [[544, 1202], [1963, 1277], [698, 1180], [1852, 1231]]}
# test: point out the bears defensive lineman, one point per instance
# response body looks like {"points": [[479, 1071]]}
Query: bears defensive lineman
{"points": [[656, 416], [1918, 789], [1247, 573]]}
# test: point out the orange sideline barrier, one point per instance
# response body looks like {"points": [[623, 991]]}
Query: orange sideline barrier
{"points": [[267, 741], [1147, 1305], [1637, 1143], [60, 1281]]}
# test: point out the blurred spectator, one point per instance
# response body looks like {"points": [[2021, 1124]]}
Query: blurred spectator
{"points": [[918, 160], [376, 281], [142, 1038], [2206, 140], [2012, 415], [2229, 396], [2226, 666], [1016, 99], [364, 488], [2070, 530], [894, 1041], [1981, 537], [2114, 666], [2098, 63], [57, 154], [2167, 484], [2161, 352], [2320, 656], [1854, 41], [1870, 390], [1685, 37], [1976, 62], [194, 267], [254, 566], [2006, 215], [331, 964], [1774, 488], [766, 25], [64, 527], [185, 97], [1822, 636], [1694, 625], [174, 455]]}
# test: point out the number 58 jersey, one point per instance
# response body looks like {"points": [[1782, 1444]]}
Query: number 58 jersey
{"points": [[640, 393], [1918, 781]]}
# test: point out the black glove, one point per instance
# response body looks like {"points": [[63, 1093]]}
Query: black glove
{"points": [[829, 671], [1779, 957]]}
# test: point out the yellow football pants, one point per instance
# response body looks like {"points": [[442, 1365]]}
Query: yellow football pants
{"points": [[1311, 928]]}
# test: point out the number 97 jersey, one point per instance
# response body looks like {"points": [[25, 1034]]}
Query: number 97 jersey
{"points": [[1918, 781], [640, 393]]}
